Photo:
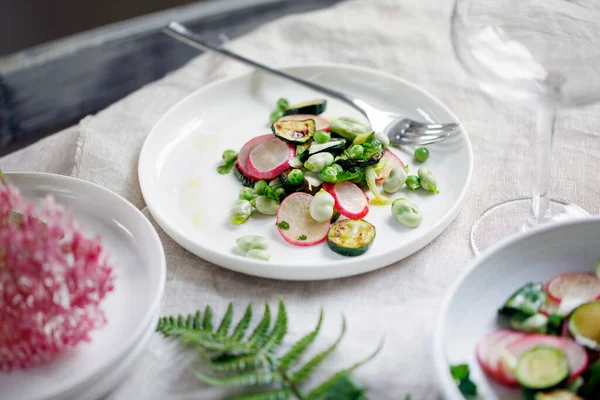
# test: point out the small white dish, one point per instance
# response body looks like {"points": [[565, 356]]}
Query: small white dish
{"points": [[470, 307], [140, 270], [191, 201]]}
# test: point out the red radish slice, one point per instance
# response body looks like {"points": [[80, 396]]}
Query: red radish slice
{"points": [[482, 353], [576, 355], [269, 159], [575, 284], [391, 161], [302, 229], [247, 148], [495, 359], [321, 124], [350, 200]]}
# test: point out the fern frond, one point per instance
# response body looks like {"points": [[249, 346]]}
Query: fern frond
{"points": [[227, 363], [240, 330], [209, 342], [207, 323], [293, 355], [280, 394], [306, 371], [258, 336], [339, 386], [274, 339], [189, 322], [198, 321], [246, 379], [223, 328], [326, 386]]}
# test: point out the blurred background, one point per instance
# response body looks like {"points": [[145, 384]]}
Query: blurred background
{"points": [[61, 60]]}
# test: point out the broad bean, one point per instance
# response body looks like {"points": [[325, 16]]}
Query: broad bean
{"points": [[240, 212], [395, 180], [406, 212], [321, 206], [317, 162]]}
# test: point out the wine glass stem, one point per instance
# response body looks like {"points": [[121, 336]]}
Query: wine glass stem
{"points": [[540, 204]]}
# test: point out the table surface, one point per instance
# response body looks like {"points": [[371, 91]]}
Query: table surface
{"points": [[401, 300]]}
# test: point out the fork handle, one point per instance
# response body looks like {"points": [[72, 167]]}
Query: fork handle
{"points": [[184, 35]]}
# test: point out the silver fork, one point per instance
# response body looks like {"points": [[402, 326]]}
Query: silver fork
{"points": [[401, 131]]}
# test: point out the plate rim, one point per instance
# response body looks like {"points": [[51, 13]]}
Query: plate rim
{"points": [[154, 306], [265, 270], [442, 374]]}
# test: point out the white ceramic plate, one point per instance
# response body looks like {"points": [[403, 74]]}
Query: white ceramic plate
{"points": [[470, 308], [191, 201], [140, 278]]}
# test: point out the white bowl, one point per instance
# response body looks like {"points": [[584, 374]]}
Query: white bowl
{"points": [[469, 310]]}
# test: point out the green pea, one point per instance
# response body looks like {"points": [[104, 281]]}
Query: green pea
{"points": [[321, 137], [330, 173], [347, 127], [296, 177], [240, 212], [395, 180], [229, 156], [406, 212], [317, 162], [260, 187], [413, 182], [355, 152], [258, 254], [282, 103], [421, 154], [250, 242], [275, 115], [427, 180], [246, 194], [265, 205]]}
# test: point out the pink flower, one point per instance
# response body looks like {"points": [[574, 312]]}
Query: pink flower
{"points": [[52, 281]]}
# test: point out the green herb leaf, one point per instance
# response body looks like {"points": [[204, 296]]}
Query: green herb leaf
{"points": [[591, 376], [459, 372], [302, 237], [283, 225]]}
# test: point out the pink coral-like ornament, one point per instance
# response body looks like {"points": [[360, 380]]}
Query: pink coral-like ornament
{"points": [[52, 281]]}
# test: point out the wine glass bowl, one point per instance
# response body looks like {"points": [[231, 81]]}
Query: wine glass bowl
{"points": [[539, 54]]}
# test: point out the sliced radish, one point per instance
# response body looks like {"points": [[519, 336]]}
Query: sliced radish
{"points": [[576, 355], [299, 228], [247, 148], [350, 200], [496, 359], [269, 159], [391, 161], [321, 124], [575, 284], [484, 348]]}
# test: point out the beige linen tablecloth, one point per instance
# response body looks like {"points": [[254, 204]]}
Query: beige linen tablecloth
{"points": [[406, 38]]}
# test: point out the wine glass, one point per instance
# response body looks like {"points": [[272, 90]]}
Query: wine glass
{"points": [[541, 54]]}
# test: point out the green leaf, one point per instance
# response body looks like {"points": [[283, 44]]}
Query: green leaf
{"points": [[189, 322], [459, 372], [341, 387], [315, 393], [245, 379], [258, 337], [278, 332], [223, 329], [280, 394], [209, 342], [293, 355], [197, 321], [228, 363], [306, 371], [242, 326], [207, 323]]}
